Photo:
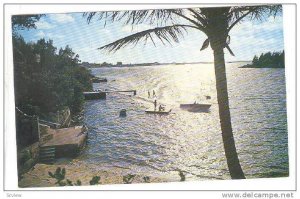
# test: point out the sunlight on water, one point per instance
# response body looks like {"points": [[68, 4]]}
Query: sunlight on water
{"points": [[161, 145]]}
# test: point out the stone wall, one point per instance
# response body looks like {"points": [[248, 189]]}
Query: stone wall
{"points": [[27, 130], [44, 135]]}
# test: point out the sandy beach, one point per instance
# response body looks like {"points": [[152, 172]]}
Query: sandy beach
{"points": [[76, 170]]}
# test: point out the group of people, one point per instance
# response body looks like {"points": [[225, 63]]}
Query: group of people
{"points": [[153, 94], [161, 107]]}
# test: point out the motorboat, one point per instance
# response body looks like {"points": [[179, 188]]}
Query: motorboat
{"points": [[195, 107]]}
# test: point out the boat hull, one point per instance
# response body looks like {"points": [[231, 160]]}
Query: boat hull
{"points": [[195, 107], [158, 112]]}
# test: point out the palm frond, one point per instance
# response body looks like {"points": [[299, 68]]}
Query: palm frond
{"points": [[228, 39], [164, 34], [263, 12], [159, 16], [258, 12], [205, 44], [199, 16], [230, 51]]}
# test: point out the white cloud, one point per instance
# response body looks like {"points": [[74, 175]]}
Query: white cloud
{"points": [[86, 49], [44, 25], [55, 36], [62, 18], [104, 36], [249, 38], [127, 28], [40, 34], [270, 24], [104, 32], [136, 28]]}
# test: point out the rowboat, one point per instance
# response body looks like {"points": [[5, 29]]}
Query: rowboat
{"points": [[158, 112]]}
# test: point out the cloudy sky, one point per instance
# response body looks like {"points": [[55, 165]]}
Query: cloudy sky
{"points": [[247, 39]]}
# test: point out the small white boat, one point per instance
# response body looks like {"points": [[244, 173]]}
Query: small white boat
{"points": [[195, 107]]}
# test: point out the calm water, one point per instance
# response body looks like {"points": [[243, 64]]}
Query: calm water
{"points": [[157, 145]]}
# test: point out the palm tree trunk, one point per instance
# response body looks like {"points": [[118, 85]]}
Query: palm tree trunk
{"points": [[233, 162]]}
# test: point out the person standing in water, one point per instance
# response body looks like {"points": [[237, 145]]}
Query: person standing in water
{"points": [[155, 104], [149, 95], [154, 95]]}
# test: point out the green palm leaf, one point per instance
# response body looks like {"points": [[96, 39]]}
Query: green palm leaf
{"points": [[134, 17], [164, 34]]}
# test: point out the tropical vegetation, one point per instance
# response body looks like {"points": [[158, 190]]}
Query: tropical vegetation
{"points": [[46, 79], [267, 60]]}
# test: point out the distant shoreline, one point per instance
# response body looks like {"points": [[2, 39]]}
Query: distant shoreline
{"points": [[157, 64], [253, 66]]}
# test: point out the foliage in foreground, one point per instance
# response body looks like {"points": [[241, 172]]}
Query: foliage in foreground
{"points": [[60, 174], [47, 80], [128, 178]]}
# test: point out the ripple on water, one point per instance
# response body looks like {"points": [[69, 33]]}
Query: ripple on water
{"points": [[190, 142]]}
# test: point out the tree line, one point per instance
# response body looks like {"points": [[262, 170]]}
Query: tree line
{"points": [[269, 60]]}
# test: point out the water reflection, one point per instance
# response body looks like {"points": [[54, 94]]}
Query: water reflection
{"points": [[162, 145]]}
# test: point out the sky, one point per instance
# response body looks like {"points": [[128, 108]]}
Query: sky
{"points": [[248, 38]]}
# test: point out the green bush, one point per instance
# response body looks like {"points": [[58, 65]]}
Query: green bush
{"points": [[128, 178], [95, 180], [47, 80], [60, 174]]}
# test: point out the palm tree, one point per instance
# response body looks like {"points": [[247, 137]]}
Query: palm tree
{"points": [[216, 23]]}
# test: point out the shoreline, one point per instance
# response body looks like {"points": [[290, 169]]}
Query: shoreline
{"points": [[253, 66], [77, 170], [162, 64]]}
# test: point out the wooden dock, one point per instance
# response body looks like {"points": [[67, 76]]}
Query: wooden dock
{"points": [[98, 80], [65, 142], [93, 95], [122, 91]]}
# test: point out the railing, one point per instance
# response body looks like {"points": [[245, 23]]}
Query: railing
{"points": [[51, 124]]}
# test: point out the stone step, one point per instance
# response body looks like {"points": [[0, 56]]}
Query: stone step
{"points": [[47, 150], [47, 155]]}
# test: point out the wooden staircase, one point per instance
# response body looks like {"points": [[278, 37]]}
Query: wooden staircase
{"points": [[47, 154]]}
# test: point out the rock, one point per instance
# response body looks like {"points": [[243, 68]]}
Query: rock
{"points": [[28, 165], [23, 156]]}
